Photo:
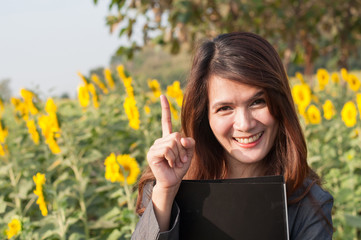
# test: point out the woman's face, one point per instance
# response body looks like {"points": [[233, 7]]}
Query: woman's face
{"points": [[241, 122]]}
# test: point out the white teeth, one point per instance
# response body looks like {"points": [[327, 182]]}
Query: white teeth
{"points": [[249, 140]]}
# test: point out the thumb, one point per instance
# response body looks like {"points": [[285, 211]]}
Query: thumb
{"points": [[189, 145]]}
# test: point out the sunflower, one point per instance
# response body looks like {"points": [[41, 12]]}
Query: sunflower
{"points": [[26, 94], [50, 106], [39, 180], [322, 77], [112, 169], [154, 85], [28, 101], [121, 72], [53, 145], [109, 78], [14, 227], [147, 109], [302, 96], [132, 112], [20, 107], [175, 92], [335, 77], [85, 81], [127, 81], [93, 92], [83, 96], [173, 111], [313, 115], [32, 131], [3, 133], [130, 168], [328, 110], [99, 83], [349, 113], [3, 150], [344, 74], [299, 76], [353, 82]]}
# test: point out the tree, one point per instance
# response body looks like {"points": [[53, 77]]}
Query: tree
{"points": [[300, 30]]}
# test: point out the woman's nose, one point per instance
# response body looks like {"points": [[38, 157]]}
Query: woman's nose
{"points": [[244, 121]]}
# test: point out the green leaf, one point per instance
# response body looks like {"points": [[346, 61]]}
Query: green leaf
{"points": [[345, 195], [104, 188], [102, 224], [24, 187], [4, 170], [353, 221], [115, 235], [76, 236], [2, 205], [112, 213], [71, 220], [48, 231]]}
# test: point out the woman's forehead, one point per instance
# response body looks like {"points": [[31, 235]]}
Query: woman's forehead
{"points": [[216, 81], [223, 90]]}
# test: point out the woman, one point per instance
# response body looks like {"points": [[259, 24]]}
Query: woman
{"points": [[238, 120]]}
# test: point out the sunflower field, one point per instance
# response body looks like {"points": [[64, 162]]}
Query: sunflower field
{"points": [[329, 106], [69, 167]]}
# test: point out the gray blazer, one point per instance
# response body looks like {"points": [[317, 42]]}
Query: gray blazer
{"points": [[306, 220]]}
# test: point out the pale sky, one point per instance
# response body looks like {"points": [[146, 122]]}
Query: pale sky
{"points": [[44, 43]]}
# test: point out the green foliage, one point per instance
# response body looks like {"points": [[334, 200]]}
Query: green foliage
{"points": [[302, 31], [82, 204], [157, 64], [5, 90], [334, 151]]}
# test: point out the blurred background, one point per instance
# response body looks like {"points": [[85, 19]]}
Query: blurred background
{"points": [[43, 44], [80, 83]]}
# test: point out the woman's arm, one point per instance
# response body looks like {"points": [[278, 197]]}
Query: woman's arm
{"points": [[311, 218], [147, 227], [162, 204], [169, 159]]}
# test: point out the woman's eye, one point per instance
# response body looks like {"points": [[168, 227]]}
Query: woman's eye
{"points": [[258, 102], [224, 108]]}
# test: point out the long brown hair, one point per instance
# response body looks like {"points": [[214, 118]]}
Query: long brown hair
{"points": [[248, 59]]}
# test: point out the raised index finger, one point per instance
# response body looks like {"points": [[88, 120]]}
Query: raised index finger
{"points": [[166, 116]]}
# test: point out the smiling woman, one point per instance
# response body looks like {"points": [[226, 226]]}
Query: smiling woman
{"points": [[242, 124], [238, 120]]}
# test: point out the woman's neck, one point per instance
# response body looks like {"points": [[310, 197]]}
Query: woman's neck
{"points": [[243, 170]]}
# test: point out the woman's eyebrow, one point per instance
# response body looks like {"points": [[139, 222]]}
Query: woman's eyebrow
{"points": [[256, 96]]}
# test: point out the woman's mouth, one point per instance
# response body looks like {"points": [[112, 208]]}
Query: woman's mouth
{"points": [[248, 140]]}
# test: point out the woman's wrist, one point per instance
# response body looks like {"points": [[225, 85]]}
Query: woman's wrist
{"points": [[163, 199], [166, 191]]}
